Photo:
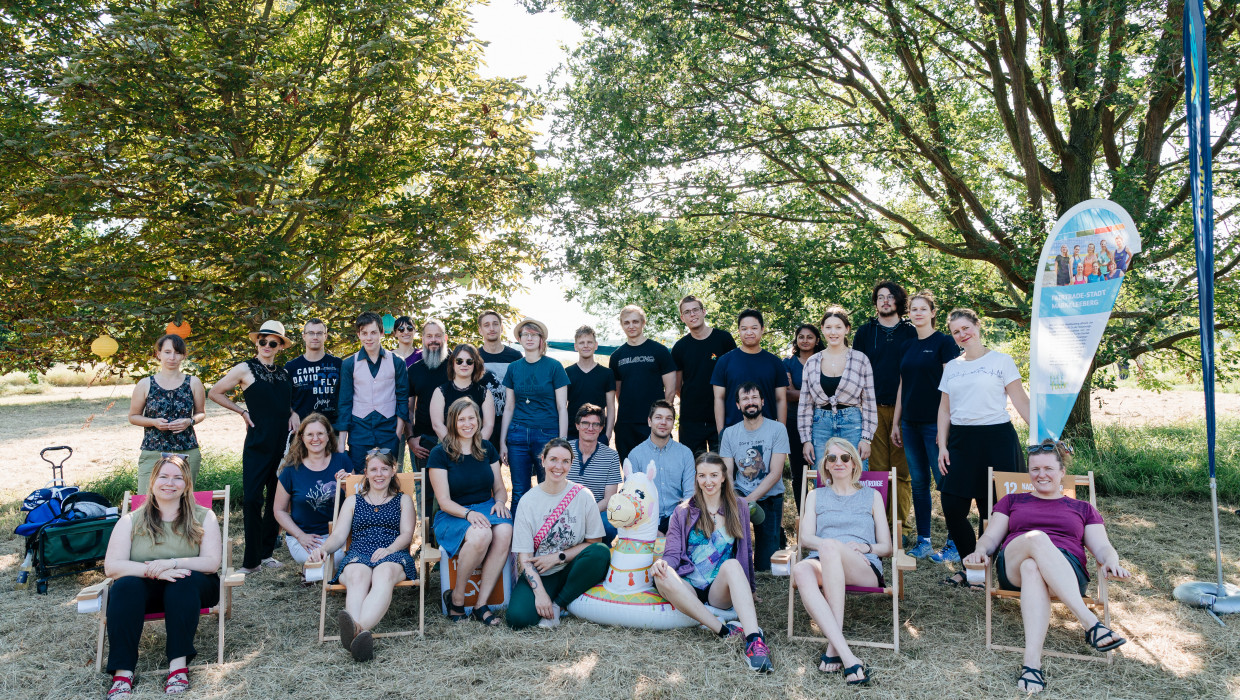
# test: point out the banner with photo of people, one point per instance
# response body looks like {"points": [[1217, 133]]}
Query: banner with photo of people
{"points": [[1082, 265]]}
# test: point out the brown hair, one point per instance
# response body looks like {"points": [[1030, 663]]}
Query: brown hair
{"points": [[467, 348], [1062, 452], [297, 451], [554, 443], [925, 295], [689, 298], [727, 498], [452, 440], [150, 523], [393, 488], [835, 312], [178, 344], [970, 314], [584, 330]]}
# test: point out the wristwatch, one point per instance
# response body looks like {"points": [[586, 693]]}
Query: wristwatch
{"points": [[562, 557]]}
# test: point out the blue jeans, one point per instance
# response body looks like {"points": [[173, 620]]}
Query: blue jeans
{"points": [[766, 535], [844, 423], [525, 447], [922, 453]]}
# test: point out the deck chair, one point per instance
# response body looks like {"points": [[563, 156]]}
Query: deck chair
{"points": [[884, 483], [1017, 482], [95, 598], [409, 483]]}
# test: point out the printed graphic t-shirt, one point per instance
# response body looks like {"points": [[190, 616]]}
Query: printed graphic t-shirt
{"points": [[315, 385], [751, 452], [639, 370], [311, 493]]}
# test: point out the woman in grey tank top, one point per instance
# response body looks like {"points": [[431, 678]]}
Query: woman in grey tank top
{"points": [[845, 526]]}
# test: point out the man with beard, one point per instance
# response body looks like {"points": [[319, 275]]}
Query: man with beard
{"points": [[674, 472], [695, 356], [496, 356], [425, 376], [884, 340], [755, 450], [374, 388], [315, 375]]}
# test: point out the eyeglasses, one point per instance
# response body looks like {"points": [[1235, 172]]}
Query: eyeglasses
{"points": [[530, 335], [1049, 446], [589, 425], [844, 458], [269, 344], [314, 334], [467, 361], [377, 451], [885, 297]]}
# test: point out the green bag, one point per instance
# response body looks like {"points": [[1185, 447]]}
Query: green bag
{"points": [[73, 542]]}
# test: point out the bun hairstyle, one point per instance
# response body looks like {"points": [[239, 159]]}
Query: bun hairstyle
{"points": [[925, 295], [965, 313]]}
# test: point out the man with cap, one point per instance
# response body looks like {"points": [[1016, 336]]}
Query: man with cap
{"points": [[269, 419], [374, 391]]}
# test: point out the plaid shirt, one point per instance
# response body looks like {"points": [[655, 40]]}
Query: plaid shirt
{"points": [[856, 389]]}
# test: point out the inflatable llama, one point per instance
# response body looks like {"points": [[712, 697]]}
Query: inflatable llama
{"points": [[627, 597]]}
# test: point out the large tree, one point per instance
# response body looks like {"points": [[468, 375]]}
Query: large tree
{"points": [[789, 153], [238, 160]]}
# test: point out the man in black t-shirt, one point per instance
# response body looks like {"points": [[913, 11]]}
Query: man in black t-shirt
{"points": [[315, 374], [590, 382], [884, 339], [425, 376], [496, 356], [695, 356], [645, 373]]}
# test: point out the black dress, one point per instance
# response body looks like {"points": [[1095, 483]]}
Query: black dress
{"points": [[269, 401]]}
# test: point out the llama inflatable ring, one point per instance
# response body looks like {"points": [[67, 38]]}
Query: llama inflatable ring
{"points": [[627, 596]]}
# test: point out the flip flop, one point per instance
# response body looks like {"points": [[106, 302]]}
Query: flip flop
{"points": [[824, 659], [857, 668]]}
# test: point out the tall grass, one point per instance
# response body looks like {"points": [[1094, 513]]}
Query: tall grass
{"points": [[1164, 461], [219, 469]]}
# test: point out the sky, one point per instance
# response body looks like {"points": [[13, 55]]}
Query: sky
{"points": [[530, 45]]}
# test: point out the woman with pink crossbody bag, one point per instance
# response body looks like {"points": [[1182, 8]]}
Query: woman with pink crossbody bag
{"points": [[556, 537]]}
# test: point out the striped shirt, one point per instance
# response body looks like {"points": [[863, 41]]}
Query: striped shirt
{"points": [[856, 389], [600, 471]]}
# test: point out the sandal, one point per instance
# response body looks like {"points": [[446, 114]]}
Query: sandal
{"points": [[484, 614], [122, 687], [456, 613], [857, 668], [824, 659], [177, 682], [1099, 632], [1031, 676], [959, 580]]}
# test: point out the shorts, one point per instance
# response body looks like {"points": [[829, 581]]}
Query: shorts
{"points": [[1082, 578], [703, 595]]}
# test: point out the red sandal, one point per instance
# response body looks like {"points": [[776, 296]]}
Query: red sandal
{"points": [[177, 682], [122, 687]]}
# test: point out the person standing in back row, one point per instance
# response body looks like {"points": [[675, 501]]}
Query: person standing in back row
{"points": [[884, 340], [696, 355], [374, 387], [535, 408], [425, 376], [749, 363], [496, 357], [269, 419], [590, 383], [315, 374], [645, 373], [808, 343]]}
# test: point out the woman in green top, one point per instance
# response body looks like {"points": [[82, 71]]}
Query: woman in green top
{"points": [[164, 557]]}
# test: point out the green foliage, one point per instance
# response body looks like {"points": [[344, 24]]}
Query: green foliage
{"points": [[237, 161], [1163, 461], [219, 469], [788, 154]]}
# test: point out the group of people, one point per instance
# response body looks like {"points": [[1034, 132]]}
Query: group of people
{"points": [[1096, 264], [900, 396]]}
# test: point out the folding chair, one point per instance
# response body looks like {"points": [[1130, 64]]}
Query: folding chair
{"points": [[409, 484], [884, 483], [95, 598], [1017, 482]]}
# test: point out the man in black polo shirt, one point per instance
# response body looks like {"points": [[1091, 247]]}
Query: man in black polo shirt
{"points": [[645, 373], [695, 356]]}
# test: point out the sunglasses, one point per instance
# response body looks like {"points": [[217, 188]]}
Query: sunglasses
{"points": [[402, 329], [467, 361], [1049, 447], [170, 455], [844, 458], [270, 344], [377, 451]]}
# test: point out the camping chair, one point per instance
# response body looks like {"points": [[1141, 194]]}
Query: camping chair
{"points": [[409, 483], [95, 598], [884, 483], [1017, 482]]}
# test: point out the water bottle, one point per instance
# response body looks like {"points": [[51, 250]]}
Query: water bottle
{"points": [[23, 575]]}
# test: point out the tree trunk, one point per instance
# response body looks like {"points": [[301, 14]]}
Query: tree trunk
{"points": [[1080, 427]]}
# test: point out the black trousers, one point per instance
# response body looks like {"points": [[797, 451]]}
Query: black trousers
{"points": [[630, 435], [699, 437], [259, 465], [180, 601], [956, 515], [796, 460]]}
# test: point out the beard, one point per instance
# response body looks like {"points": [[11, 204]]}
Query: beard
{"points": [[435, 358], [751, 411]]}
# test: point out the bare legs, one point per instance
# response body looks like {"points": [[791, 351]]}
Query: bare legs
{"points": [[488, 547], [368, 592], [729, 590], [821, 583]]}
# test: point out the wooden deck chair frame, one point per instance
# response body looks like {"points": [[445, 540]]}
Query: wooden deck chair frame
{"points": [[229, 578], [410, 483], [900, 562], [1013, 482]]}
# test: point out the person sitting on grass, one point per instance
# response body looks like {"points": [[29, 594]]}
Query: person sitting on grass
{"points": [[381, 521], [1041, 539], [306, 485], [709, 560], [165, 557], [846, 526], [556, 540], [472, 522]]}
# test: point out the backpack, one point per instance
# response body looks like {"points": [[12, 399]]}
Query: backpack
{"points": [[60, 507]]}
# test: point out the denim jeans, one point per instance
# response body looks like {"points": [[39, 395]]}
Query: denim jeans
{"points": [[922, 452], [525, 447], [844, 423], [766, 535]]}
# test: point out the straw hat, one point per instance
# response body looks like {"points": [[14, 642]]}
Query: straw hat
{"points": [[270, 328], [542, 328]]}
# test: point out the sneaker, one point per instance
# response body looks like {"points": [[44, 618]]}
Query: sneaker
{"points": [[732, 629], [756, 654], [554, 620], [271, 563], [922, 549], [247, 570], [947, 554]]}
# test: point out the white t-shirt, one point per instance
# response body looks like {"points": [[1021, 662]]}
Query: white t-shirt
{"points": [[976, 389], [579, 522]]}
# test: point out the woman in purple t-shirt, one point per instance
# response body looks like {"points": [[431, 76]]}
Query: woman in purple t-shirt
{"points": [[1041, 539]]}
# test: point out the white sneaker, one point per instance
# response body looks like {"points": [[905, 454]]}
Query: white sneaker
{"points": [[554, 620], [271, 563]]}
